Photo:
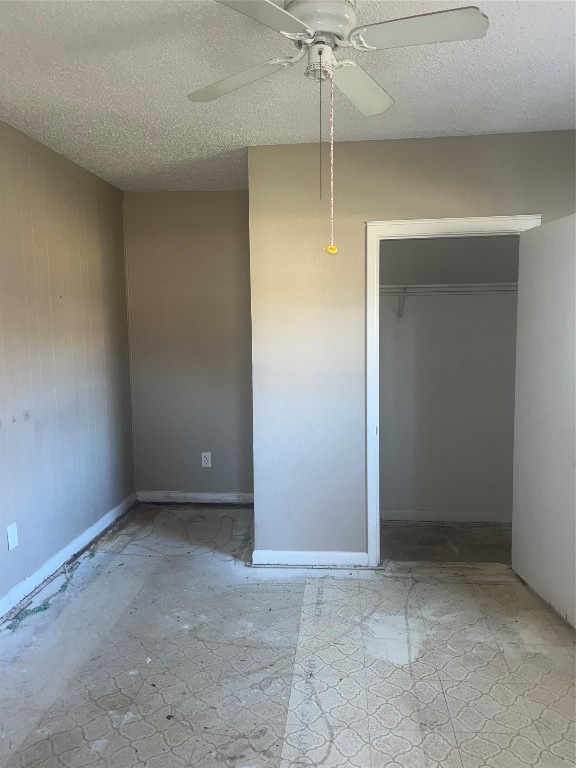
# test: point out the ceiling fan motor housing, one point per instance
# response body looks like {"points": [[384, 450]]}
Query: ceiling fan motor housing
{"points": [[335, 18]]}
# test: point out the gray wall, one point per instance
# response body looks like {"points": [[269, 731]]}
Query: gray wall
{"points": [[308, 308], [447, 407], [439, 260], [544, 517], [65, 432], [447, 382], [189, 297]]}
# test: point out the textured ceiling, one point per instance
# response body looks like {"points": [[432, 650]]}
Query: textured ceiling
{"points": [[105, 83]]}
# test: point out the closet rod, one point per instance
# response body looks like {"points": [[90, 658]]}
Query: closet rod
{"points": [[462, 288]]}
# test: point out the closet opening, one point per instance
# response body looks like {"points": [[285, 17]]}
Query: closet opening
{"points": [[441, 319], [447, 316]]}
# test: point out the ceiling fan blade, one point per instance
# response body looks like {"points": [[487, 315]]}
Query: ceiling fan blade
{"points": [[439, 27], [362, 90], [269, 14], [232, 83]]}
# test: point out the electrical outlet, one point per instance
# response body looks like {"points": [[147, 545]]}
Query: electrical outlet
{"points": [[207, 459], [12, 535]]}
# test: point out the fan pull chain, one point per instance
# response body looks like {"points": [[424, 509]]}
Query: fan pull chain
{"points": [[332, 249], [320, 135]]}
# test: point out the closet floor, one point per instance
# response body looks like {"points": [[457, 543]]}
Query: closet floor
{"points": [[166, 650], [427, 542]]}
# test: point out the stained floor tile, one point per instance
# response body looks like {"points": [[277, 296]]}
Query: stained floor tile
{"points": [[445, 543], [166, 650]]}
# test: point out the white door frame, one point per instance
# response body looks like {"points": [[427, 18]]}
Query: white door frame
{"points": [[397, 230]]}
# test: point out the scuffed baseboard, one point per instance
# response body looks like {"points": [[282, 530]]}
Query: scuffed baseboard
{"points": [[186, 497], [305, 558], [24, 588]]}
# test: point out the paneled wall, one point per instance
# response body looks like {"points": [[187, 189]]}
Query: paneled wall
{"points": [[66, 428]]}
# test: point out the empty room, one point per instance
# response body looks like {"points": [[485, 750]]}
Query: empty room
{"points": [[287, 384]]}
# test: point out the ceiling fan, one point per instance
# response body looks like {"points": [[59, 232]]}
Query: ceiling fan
{"points": [[319, 27]]}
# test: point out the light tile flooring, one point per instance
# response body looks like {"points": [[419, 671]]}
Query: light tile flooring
{"points": [[165, 650]]}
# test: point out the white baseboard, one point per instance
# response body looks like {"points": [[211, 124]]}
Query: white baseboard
{"points": [[305, 558], [24, 588], [436, 516], [185, 497]]}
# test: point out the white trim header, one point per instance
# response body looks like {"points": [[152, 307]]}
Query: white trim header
{"points": [[473, 226]]}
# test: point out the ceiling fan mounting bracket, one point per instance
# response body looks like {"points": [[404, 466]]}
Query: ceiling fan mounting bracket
{"points": [[299, 38], [358, 42], [344, 63], [323, 38], [288, 61]]}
